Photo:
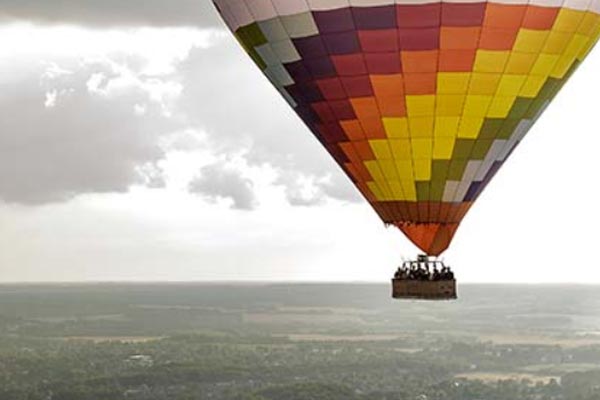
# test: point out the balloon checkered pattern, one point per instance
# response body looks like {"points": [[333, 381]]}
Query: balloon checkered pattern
{"points": [[419, 102]]}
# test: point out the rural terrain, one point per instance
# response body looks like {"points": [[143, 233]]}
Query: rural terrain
{"points": [[297, 341]]}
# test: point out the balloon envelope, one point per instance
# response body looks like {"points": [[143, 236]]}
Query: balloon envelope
{"points": [[419, 102]]}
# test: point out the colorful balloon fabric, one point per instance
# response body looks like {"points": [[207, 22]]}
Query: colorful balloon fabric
{"points": [[419, 102]]}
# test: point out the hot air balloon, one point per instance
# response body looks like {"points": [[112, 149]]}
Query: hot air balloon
{"points": [[419, 102]]}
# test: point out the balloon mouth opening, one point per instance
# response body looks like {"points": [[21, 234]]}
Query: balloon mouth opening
{"points": [[432, 238]]}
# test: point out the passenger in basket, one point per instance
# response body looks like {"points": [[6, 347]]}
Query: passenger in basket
{"points": [[436, 274], [424, 273], [414, 272]]}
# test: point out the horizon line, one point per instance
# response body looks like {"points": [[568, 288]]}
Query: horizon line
{"points": [[250, 282]]}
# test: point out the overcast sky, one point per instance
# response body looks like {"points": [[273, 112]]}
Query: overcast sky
{"points": [[138, 142]]}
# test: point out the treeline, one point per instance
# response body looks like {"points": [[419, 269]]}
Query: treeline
{"points": [[254, 367]]}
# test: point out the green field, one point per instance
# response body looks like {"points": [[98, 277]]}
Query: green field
{"points": [[292, 341]]}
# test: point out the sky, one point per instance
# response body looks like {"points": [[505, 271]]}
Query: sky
{"points": [[139, 143]]}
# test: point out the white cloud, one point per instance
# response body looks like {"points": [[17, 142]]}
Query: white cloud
{"points": [[225, 95], [169, 235], [73, 122], [104, 110], [179, 71], [111, 13], [51, 99], [151, 51]]}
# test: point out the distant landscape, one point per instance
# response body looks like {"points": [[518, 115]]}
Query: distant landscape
{"points": [[297, 342]]}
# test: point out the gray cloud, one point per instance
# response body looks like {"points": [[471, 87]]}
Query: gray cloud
{"points": [[220, 181], [307, 191], [58, 140], [340, 187], [227, 97], [112, 13]]}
